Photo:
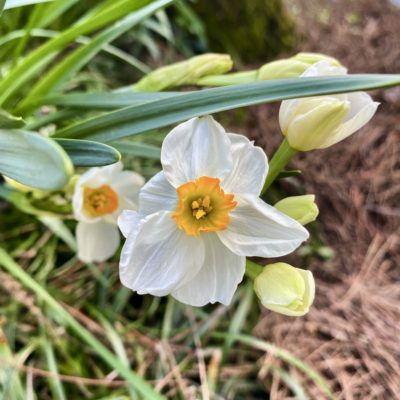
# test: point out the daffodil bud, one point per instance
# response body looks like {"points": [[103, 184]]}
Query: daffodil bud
{"points": [[185, 72], [317, 122], [294, 66], [301, 208], [285, 289]]}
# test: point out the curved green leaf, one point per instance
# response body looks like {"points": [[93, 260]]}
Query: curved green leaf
{"points": [[34, 160], [156, 114], [102, 101], [63, 71], [38, 58], [8, 121], [85, 153]]}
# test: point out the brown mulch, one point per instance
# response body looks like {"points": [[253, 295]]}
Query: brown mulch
{"points": [[352, 334]]}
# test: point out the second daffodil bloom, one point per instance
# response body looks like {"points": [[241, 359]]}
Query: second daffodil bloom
{"points": [[100, 195], [318, 122], [201, 216]]}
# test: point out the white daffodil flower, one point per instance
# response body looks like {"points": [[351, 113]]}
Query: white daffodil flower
{"points": [[100, 195], [201, 216], [317, 122]]}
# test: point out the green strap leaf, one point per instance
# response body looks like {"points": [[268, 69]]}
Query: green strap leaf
{"points": [[69, 321], [159, 113], [34, 160], [85, 153], [37, 59], [102, 101], [8, 121], [138, 149], [62, 72]]}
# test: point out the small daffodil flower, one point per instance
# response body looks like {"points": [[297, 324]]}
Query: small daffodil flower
{"points": [[301, 208], [285, 289], [201, 216], [100, 195], [319, 122]]}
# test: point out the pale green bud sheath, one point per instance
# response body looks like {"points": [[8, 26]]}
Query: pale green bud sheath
{"points": [[293, 67], [312, 58], [301, 208], [285, 289], [282, 69], [186, 72], [286, 68]]}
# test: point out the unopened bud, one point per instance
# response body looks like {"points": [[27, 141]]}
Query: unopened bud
{"points": [[301, 208], [293, 67], [285, 289], [185, 72]]}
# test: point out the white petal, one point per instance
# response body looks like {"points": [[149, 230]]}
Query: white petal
{"points": [[250, 167], [129, 220], [157, 195], [97, 241], [158, 257], [127, 184], [362, 109], [258, 229], [287, 112], [198, 147], [323, 68], [217, 279]]}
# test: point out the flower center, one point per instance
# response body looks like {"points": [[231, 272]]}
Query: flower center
{"points": [[202, 206], [99, 201]]}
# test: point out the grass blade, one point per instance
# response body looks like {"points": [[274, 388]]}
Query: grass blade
{"points": [[64, 70], [285, 356], [15, 270], [38, 58]]}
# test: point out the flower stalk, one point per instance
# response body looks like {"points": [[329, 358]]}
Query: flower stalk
{"points": [[278, 162]]}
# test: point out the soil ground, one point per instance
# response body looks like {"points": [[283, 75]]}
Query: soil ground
{"points": [[352, 334]]}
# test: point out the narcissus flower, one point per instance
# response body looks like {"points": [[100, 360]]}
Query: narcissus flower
{"points": [[318, 122], [301, 208], [100, 196], [201, 216], [285, 289]]}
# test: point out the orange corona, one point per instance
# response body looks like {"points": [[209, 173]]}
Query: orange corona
{"points": [[203, 206], [99, 201]]}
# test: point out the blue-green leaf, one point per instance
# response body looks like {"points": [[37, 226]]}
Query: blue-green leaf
{"points": [[159, 113], [85, 153], [34, 160]]}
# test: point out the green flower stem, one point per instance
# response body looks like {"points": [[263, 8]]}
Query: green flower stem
{"points": [[228, 79], [253, 269], [134, 380], [279, 160]]}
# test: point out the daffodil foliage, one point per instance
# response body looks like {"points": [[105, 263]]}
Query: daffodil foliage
{"points": [[190, 228]]}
